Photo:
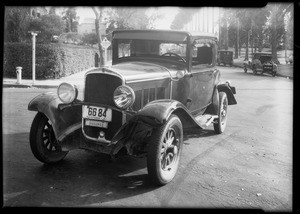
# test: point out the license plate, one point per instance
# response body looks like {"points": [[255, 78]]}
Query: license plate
{"points": [[96, 123], [96, 113]]}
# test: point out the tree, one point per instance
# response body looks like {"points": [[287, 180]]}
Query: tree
{"points": [[127, 18], [16, 23], [183, 16], [98, 14], [71, 19], [90, 38], [277, 13], [48, 25]]}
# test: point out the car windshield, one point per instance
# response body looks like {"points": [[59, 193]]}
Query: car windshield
{"points": [[128, 48]]}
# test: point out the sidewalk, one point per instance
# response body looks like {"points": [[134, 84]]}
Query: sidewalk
{"points": [[77, 79]]}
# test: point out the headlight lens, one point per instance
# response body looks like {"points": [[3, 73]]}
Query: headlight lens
{"points": [[124, 97], [67, 93]]}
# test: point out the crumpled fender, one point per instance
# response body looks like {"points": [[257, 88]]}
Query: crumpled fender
{"points": [[63, 121], [151, 116]]}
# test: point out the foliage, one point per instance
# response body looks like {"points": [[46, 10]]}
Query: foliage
{"points": [[182, 17], [90, 38], [71, 38], [48, 25], [71, 19], [126, 18], [16, 23], [52, 60]]}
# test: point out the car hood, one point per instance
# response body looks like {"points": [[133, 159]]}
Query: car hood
{"points": [[144, 71]]}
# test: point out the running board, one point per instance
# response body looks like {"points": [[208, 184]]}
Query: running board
{"points": [[206, 119]]}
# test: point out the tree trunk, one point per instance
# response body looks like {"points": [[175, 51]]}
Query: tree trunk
{"points": [[247, 46], [226, 30], [260, 40], [274, 36], [236, 54], [99, 39]]}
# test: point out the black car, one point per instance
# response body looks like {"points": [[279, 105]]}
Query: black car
{"points": [[263, 63], [161, 84], [225, 57]]}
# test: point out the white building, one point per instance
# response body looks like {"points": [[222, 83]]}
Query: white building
{"points": [[88, 26], [204, 20]]}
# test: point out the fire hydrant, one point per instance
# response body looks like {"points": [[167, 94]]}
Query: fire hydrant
{"points": [[19, 75]]}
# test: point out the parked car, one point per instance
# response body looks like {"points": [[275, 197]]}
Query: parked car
{"points": [[225, 57], [289, 59], [141, 105], [263, 63]]}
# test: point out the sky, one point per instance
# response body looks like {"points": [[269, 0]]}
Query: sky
{"points": [[170, 12]]}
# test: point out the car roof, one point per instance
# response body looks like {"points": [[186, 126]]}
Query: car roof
{"points": [[166, 34], [224, 51], [263, 53]]}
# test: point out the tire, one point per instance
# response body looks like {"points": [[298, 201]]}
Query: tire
{"points": [[274, 74], [220, 123], [43, 143], [164, 151]]}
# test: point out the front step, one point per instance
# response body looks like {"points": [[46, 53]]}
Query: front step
{"points": [[206, 119]]}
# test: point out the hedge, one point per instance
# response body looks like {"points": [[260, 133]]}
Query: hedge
{"points": [[52, 60]]}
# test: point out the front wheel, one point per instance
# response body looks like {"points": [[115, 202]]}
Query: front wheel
{"points": [[43, 143], [164, 151], [220, 123]]}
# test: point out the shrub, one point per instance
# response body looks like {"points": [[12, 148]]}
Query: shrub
{"points": [[52, 60]]}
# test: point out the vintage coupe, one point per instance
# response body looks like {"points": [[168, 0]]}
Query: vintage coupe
{"points": [[161, 83], [263, 63]]}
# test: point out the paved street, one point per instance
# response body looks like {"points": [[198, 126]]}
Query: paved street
{"points": [[248, 166]]}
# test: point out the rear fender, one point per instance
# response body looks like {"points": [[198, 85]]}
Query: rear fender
{"points": [[229, 90], [65, 121]]}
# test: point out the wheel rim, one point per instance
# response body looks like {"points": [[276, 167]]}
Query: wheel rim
{"points": [[223, 113], [169, 150], [49, 141]]}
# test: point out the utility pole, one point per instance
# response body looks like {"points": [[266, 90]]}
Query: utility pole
{"points": [[34, 34]]}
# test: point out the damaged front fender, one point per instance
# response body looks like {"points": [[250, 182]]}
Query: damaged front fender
{"points": [[64, 121]]}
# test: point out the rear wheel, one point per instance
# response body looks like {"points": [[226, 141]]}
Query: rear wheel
{"points": [[220, 123], [43, 143], [164, 151]]}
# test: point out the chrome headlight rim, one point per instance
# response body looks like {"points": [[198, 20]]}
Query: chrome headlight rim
{"points": [[73, 92], [117, 95]]}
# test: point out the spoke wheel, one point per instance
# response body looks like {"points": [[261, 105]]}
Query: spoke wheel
{"points": [[220, 123], [164, 151], [43, 142]]}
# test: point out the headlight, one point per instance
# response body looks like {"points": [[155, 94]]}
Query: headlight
{"points": [[124, 97], [66, 92]]}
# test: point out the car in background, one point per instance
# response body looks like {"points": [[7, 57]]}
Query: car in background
{"points": [[289, 59], [225, 57], [262, 63], [160, 85]]}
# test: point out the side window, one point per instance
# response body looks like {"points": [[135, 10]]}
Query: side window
{"points": [[202, 54]]}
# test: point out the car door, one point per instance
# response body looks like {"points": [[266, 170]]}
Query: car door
{"points": [[203, 78]]}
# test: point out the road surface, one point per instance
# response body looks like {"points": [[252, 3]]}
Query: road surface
{"points": [[248, 166]]}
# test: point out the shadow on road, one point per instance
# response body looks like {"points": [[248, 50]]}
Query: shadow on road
{"points": [[82, 178]]}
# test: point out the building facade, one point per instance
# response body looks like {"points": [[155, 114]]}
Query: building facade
{"points": [[88, 26], [204, 20]]}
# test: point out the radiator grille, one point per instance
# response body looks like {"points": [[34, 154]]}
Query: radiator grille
{"points": [[99, 89]]}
